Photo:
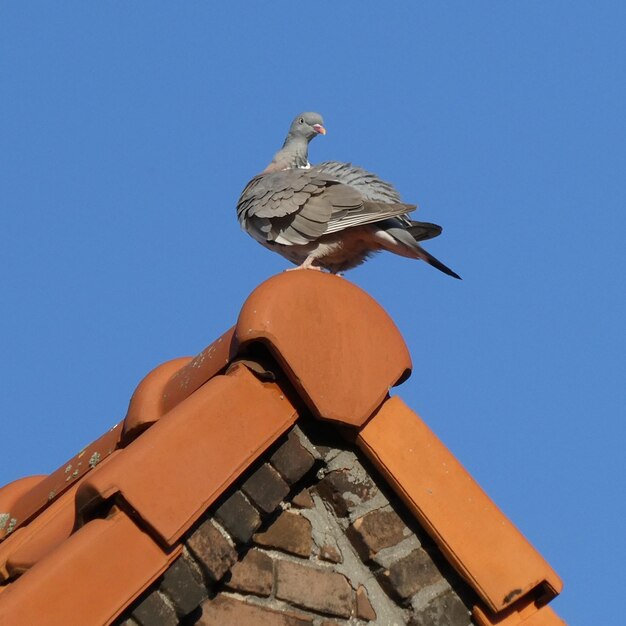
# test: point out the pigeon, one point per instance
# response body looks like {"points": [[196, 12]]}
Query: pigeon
{"points": [[330, 216]]}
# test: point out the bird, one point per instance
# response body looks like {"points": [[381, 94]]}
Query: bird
{"points": [[331, 216]]}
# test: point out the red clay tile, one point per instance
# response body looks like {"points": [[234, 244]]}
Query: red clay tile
{"points": [[477, 538], [210, 362], [170, 383], [32, 542], [338, 347], [523, 614], [147, 403], [341, 352], [308, 319], [45, 491], [11, 494], [185, 461], [6, 550], [46, 531], [89, 579]]}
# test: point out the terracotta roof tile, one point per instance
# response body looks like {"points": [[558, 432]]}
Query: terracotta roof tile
{"points": [[210, 362], [81, 545], [10, 495], [31, 543], [89, 579], [147, 403], [214, 434], [524, 613], [339, 348], [45, 491], [486, 548]]}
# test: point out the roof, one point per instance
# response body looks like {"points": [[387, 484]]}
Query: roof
{"points": [[309, 350]]}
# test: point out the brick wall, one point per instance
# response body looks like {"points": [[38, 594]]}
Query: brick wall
{"points": [[311, 536]]}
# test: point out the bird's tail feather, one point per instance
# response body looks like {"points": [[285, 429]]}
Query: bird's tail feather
{"points": [[421, 231], [431, 260], [411, 248]]}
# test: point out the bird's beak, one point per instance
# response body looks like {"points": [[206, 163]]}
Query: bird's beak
{"points": [[319, 129]]}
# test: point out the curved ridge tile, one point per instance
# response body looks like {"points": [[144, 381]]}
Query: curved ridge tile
{"points": [[146, 403], [209, 363], [45, 491], [41, 536], [338, 346], [10, 495]]}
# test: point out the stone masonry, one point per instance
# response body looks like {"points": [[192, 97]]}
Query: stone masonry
{"points": [[310, 536]]}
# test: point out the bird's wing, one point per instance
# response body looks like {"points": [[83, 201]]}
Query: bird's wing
{"points": [[299, 206], [286, 207], [368, 212], [370, 186]]}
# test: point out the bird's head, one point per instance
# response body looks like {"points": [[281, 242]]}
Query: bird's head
{"points": [[307, 125]]}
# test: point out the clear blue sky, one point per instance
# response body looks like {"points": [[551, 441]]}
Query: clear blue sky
{"points": [[128, 129]]}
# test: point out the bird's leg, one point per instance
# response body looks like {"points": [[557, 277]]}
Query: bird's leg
{"points": [[307, 264]]}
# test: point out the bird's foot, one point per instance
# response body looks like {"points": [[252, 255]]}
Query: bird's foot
{"points": [[304, 267], [307, 264]]}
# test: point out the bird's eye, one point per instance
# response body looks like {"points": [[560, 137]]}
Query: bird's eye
{"points": [[301, 120]]}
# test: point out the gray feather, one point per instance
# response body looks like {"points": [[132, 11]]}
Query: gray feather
{"points": [[370, 186]]}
